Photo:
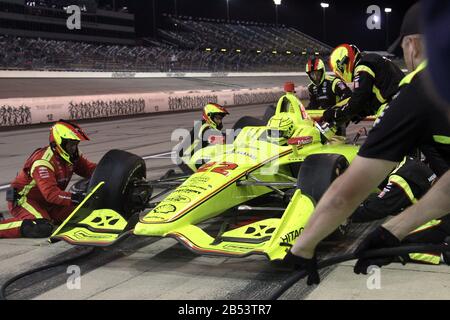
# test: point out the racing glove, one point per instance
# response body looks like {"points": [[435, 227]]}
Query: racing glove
{"points": [[308, 265], [77, 198], [377, 239], [335, 115]]}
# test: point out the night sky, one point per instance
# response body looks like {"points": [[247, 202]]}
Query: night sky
{"points": [[345, 20]]}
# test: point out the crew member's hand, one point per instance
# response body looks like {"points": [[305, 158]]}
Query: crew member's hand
{"points": [[333, 115], [308, 265], [77, 198], [377, 239]]}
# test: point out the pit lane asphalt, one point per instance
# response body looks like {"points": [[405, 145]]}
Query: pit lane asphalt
{"points": [[140, 267]]}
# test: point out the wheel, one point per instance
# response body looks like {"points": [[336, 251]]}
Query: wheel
{"points": [[80, 187], [270, 111], [248, 121], [315, 176], [120, 170], [317, 173]]}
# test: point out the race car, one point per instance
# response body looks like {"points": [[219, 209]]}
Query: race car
{"points": [[262, 175]]}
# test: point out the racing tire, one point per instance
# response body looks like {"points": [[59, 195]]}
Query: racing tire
{"points": [[248, 121], [315, 176], [318, 172], [269, 113], [118, 169]]}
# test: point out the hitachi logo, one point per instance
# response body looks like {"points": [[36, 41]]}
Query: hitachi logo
{"points": [[291, 236]]}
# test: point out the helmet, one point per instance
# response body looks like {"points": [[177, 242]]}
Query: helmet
{"points": [[210, 111], [61, 133], [343, 60], [281, 128], [315, 68]]}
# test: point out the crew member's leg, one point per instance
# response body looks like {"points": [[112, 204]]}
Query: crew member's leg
{"points": [[29, 220]]}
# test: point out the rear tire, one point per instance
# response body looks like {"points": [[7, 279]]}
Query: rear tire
{"points": [[248, 121], [270, 112], [119, 170]]}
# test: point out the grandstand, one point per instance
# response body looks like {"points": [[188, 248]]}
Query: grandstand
{"points": [[34, 37]]}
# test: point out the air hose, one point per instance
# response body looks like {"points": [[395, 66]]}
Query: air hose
{"points": [[10, 281], [385, 252]]}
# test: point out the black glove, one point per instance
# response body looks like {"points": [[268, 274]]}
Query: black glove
{"points": [[334, 115], [377, 239], [309, 265], [77, 197]]}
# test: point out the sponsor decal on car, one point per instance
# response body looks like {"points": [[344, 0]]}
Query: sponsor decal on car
{"points": [[165, 208], [291, 236], [179, 198]]}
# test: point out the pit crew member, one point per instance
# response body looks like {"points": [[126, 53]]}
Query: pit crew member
{"points": [[206, 132], [324, 90], [410, 120], [375, 81], [37, 199]]}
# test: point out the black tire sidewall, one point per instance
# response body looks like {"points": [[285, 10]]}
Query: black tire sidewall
{"points": [[318, 172], [117, 169]]}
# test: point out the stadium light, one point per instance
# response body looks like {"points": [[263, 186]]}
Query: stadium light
{"points": [[387, 10], [238, 50], [324, 5], [288, 52], [223, 50], [277, 3], [208, 49], [258, 51], [274, 52]]}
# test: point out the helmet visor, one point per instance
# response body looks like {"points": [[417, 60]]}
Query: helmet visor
{"points": [[316, 76]]}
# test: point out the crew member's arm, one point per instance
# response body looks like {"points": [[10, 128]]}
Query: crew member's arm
{"points": [[83, 167], [340, 201], [46, 182], [358, 101], [340, 89], [433, 205]]}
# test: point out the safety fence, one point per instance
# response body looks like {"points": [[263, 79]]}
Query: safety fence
{"points": [[25, 111]]}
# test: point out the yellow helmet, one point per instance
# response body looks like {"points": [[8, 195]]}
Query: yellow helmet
{"points": [[343, 60], [62, 132], [315, 68], [211, 110], [281, 128]]}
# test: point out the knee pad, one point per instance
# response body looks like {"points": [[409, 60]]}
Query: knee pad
{"points": [[39, 228]]}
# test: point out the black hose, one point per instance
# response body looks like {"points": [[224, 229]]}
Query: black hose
{"points": [[396, 251], [10, 281]]}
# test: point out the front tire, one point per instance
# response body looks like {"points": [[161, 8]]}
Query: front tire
{"points": [[119, 170]]}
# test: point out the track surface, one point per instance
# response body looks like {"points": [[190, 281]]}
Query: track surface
{"points": [[22, 88], [139, 268]]}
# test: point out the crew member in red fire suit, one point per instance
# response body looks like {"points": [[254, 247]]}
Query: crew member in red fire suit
{"points": [[37, 199]]}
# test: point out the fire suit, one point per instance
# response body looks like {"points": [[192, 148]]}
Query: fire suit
{"points": [[40, 192], [410, 181], [376, 81]]}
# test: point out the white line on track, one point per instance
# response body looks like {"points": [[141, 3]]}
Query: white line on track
{"points": [[155, 156]]}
